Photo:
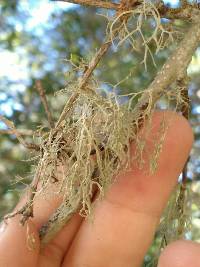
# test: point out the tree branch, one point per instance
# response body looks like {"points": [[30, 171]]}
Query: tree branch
{"points": [[93, 3], [92, 65], [173, 69], [184, 12], [42, 94], [18, 135], [26, 211], [22, 132]]}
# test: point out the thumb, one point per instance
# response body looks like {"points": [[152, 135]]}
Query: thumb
{"points": [[19, 245]]}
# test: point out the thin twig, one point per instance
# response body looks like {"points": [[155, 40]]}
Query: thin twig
{"points": [[18, 135], [26, 211], [42, 94], [93, 3], [184, 12], [22, 132], [84, 80]]}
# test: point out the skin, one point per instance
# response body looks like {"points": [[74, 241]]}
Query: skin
{"points": [[124, 222]]}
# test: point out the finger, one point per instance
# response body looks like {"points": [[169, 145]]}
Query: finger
{"points": [[61, 243], [44, 205], [52, 254], [19, 246], [46, 201], [181, 253], [125, 221]]}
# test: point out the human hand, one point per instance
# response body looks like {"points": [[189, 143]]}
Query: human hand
{"points": [[124, 221]]}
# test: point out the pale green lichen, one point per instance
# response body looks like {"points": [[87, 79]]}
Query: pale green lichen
{"points": [[133, 27]]}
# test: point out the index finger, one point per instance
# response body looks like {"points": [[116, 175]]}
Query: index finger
{"points": [[125, 221]]}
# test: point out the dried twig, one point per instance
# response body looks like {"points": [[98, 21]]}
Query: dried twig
{"points": [[42, 94], [22, 132], [18, 135], [184, 12], [84, 80], [94, 3], [27, 210]]}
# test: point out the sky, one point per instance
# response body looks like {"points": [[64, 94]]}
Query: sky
{"points": [[39, 11], [15, 63]]}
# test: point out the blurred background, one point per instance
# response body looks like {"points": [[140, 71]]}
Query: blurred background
{"points": [[36, 39]]}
